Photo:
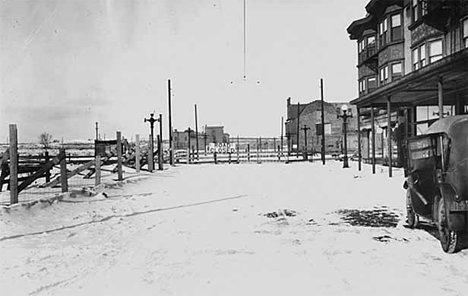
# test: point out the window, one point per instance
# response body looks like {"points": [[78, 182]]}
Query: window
{"points": [[419, 57], [435, 51], [371, 83], [371, 39], [396, 71], [422, 56], [327, 129], [383, 75], [415, 59], [360, 46], [395, 21], [362, 85], [415, 10], [465, 32], [383, 32], [418, 9]]}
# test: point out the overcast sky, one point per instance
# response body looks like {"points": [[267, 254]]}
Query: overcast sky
{"points": [[66, 64]]}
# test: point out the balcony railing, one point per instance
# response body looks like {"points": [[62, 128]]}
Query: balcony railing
{"points": [[368, 52]]}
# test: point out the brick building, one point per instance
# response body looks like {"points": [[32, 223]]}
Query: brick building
{"points": [[412, 70], [308, 115]]}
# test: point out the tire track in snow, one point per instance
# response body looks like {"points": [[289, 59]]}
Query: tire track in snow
{"points": [[121, 216]]}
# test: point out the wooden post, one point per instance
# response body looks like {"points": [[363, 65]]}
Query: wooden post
{"points": [[323, 122], [196, 131], [97, 179], [382, 144], [119, 156], [238, 148], [258, 152], [282, 127], [188, 155], [229, 155], [47, 174], [63, 172], [373, 139], [298, 128], [440, 97], [13, 164], [215, 157], [160, 155], [150, 155], [359, 137], [248, 152], [389, 135], [171, 146], [137, 152]]}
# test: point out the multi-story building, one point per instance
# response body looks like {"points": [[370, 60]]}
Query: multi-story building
{"points": [[412, 69], [304, 127]]}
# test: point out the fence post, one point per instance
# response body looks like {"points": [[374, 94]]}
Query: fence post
{"points": [[47, 174], [137, 153], [119, 156], [97, 180], [248, 152], [13, 164], [258, 152], [63, 171], [215, 158], [188, 155], [229, 153]]}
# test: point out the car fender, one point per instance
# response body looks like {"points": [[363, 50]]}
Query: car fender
{"points": [[456, 221]]}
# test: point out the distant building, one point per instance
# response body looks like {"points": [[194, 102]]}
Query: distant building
{"points": [[212, 134], [309, 115]]}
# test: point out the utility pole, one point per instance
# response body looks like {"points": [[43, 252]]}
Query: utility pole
{"points": [[160, 144], [305, 128], [298, 124], [196, 128], [323, 122], [97, 131], [189, 131], [171, 152], [282, 126]]}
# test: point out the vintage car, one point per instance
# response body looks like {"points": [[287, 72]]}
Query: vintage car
{"points": [[437, 180]]}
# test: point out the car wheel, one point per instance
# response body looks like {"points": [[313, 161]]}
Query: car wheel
{"points": [[412, 219], [451, 241]]}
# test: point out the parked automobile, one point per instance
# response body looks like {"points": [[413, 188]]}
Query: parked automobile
{"points": [[437, 180]]}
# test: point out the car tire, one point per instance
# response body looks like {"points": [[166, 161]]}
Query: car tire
{"points": [[412, 219], [451, 241]]}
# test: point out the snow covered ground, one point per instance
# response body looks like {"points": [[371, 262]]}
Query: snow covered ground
{"points": [[248, 229]]}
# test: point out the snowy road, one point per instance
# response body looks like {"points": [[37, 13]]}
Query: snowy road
{"points": [[270, 229]]}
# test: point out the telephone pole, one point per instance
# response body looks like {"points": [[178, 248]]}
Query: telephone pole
{"points": [[282, 126], [323, 122], [196, 129], [171, 152]]}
